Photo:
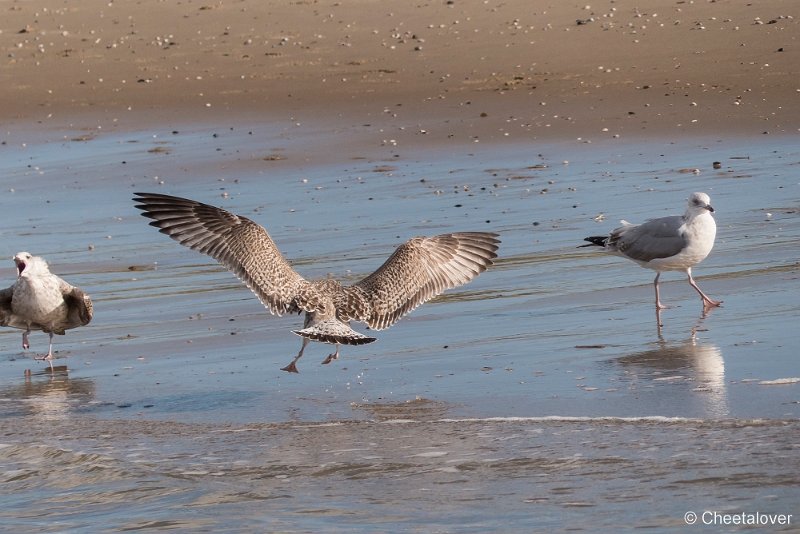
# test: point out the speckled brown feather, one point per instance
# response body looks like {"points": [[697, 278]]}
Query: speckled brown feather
{"points": [[241, 245], [79, 306], [5, 305], [417, 271]]}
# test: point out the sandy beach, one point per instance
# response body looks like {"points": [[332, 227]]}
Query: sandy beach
{"points": [[540, 397], [455, 70]]}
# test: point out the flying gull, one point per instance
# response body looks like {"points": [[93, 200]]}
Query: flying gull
{"points": [[675, 243], [40, 300], [417, 271]]}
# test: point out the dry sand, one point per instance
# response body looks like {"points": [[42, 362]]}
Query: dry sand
{"points": [[452, 69]]}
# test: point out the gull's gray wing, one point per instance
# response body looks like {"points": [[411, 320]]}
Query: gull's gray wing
{"points": [[417, 271], [238, 243], [654, 239]]}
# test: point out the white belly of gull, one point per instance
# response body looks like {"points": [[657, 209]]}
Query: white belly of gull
{"points": [[39, 301]]}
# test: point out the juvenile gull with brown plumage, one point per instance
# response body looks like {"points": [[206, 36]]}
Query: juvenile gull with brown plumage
{"points": [[675, 243], [420, 269], [40, 300]]}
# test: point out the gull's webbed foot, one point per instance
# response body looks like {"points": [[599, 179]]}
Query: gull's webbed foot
{"points": [[291, 368], [45, 358], [331, 357]]}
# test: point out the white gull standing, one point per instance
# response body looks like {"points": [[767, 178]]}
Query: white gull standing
{"points": [[40, 300], [418, 270], [675, 243]]}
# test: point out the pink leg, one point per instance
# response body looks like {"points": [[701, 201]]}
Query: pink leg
{"points": [[708, 303], [25, 343], [659, 306], [292, 367], [49, 356]]}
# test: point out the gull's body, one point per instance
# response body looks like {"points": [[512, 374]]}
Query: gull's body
{"points": [[40, 300], [675, 243], [418, 270]]}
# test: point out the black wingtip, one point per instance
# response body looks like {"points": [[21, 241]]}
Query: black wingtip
{"points": [[596, 240], [148, 197]]}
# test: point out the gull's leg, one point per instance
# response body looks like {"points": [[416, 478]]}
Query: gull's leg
{"points": [[331, 357], [707, 302], [25, 343], [292, 368], [659, 306], [49, 356]]}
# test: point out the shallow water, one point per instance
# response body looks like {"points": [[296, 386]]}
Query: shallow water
{"points": [[542, 395], [412, 475]]}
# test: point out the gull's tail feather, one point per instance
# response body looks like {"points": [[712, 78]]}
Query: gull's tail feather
{"points": [[333, 331], [596, 240]]}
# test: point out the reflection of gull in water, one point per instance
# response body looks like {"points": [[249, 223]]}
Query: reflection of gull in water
{"points": [[417, 271], [51, 398], [701, 362], [675, 243]]}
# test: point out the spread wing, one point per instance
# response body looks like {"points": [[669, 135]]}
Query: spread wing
{"points": [[79, 305], [419, 270], [242, 246], [5, 305], [657, 238]]}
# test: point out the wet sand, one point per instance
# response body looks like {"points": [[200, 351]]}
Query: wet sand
{"points": [[539, 395], [501, 399]]}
